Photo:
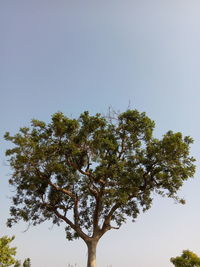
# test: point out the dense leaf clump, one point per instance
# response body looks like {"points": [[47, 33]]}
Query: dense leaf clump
{"points": [[7, 253], [187, 259]]}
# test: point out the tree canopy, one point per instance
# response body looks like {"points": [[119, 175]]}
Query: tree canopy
{"points": [[187, 259], [17, 264], [27, 263], [95, 171], [7, 253]]}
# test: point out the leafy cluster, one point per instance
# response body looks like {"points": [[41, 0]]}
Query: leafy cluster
{"points": [[187, 259], [93, 171], [7, 253], [26, 263]]}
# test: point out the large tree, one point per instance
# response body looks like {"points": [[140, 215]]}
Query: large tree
{"points": [[187, 259], [7, 252], [93, 172]]}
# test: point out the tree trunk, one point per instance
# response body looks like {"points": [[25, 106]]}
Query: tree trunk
{"points": [[92, 245]]}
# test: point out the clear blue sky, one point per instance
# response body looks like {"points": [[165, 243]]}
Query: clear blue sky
{"points": [[72, 56]]}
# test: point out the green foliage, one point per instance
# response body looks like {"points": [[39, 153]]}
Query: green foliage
{"points": [[27, 263], [7, 252], [187, 259], [17, 264], [93, 171]]}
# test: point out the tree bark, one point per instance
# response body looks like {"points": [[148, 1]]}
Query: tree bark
{"points": [[92, 245]]}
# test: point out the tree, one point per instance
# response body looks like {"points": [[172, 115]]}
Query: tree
{"points": [[27, 263], [187, 259], [17, 264], [93, 172], [7, 252]]}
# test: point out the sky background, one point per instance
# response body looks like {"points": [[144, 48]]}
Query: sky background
{"points": [[73, 56]]}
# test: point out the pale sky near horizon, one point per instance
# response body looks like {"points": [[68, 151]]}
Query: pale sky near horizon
{"points": [[73, 56]]}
